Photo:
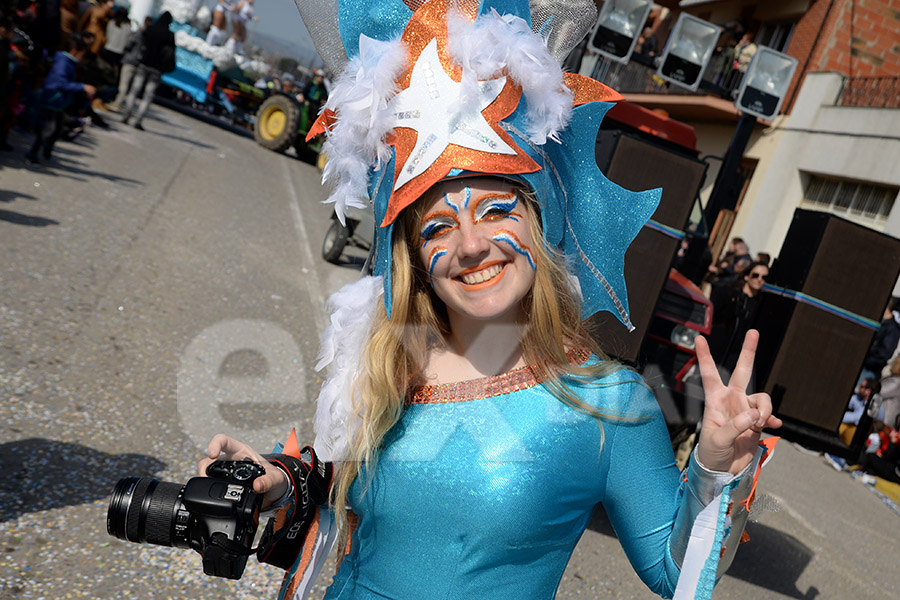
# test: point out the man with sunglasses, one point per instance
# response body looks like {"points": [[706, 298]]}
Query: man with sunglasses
{"points": [[734, 310]]}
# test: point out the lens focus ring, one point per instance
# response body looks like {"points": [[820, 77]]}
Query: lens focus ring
{"points": [[161, 513]]}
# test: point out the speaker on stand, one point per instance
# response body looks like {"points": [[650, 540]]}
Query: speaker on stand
{"points": [[826, 293]]}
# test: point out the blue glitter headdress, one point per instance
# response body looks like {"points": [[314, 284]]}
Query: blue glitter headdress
{"points": [[448, 88]]}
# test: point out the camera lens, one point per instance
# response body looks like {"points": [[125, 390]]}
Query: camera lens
{"points": [[145, 510]]}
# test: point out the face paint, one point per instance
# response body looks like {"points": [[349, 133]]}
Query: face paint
{"points": [[436, 224], [509, 238], [451, 204], [496, 207], [436, 253], [481, 264]]}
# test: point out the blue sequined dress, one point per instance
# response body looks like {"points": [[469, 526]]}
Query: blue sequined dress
{"points": [[483, 489]]}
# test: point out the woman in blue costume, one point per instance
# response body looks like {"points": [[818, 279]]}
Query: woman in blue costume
{"points": [[472, 421]]}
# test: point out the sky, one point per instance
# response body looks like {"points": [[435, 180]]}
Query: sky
{"points": [[279, 18]]}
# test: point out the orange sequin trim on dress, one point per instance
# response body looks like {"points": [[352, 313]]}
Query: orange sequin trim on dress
{"points": [[485, 387]]}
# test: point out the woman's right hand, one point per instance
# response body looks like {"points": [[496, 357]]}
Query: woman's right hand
{"points": [[274, 484]]}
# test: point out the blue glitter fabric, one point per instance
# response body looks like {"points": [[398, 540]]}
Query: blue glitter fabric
{"points": [[378, 20], [486, 498]]}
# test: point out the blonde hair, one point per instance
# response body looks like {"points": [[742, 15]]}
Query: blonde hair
{"points": [[419, 320]]}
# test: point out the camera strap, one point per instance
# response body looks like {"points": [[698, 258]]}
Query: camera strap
{"points": [[311, 480]]}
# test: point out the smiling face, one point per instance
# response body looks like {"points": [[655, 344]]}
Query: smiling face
{"points": [[475, 243]]}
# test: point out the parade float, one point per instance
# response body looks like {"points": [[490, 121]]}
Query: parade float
{"points": [[219, 80], [208, 77]]}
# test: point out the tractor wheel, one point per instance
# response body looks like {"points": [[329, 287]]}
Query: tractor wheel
{"points": [[335, 239], [277, 121]]}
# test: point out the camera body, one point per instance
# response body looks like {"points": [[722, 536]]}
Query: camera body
{"points": [[216, 515]]}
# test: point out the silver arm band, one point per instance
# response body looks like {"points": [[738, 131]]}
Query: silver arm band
{"points": [[700, 489]]}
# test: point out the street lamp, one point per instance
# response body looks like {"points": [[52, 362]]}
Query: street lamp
{"points": [[762, 90], [688, 50], [618, 26], [766, 83]]}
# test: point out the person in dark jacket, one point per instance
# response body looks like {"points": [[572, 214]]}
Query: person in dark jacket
{"points": [[157, 57], [61, 89], [734, 309]]}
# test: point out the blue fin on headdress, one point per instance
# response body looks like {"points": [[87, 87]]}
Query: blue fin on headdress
{"points": [[601, 219], [519, 8], [381, 20], [585, 216], [380, 188]]}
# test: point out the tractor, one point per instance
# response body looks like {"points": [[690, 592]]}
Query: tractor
{"points": [[282, 122]]}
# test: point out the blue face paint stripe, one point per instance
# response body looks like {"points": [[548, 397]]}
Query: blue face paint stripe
{"points": [[503, 205], [516, 245], [468, 196], [426, 233], [435, 223], [435, 255], [450, 204]]}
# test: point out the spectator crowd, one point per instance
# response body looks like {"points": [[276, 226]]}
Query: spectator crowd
{"points": [[871, 423], [65, 61]]}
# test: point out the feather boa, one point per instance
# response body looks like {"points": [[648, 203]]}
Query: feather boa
{"points": [[351, 310], [359, 100]]}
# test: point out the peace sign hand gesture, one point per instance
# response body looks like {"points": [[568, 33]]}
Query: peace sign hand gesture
{"points": [[732, 420]]}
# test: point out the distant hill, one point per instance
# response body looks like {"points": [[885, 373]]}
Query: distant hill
{"points": [[300, 48]]}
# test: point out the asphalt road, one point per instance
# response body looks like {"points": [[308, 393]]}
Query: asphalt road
{"points": [[159, 286]]}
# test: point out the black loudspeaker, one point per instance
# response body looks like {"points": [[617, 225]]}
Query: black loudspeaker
{"points": [[808, 358], [636, 163]]}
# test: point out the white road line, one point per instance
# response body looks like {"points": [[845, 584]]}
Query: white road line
{"points": [[311, 276]]}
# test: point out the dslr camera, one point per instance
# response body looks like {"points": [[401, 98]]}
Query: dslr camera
{"points": [[218, 515], [215, 515]]}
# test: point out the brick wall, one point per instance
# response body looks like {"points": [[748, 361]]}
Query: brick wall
{"points": [[857, 38], [806, 45]]}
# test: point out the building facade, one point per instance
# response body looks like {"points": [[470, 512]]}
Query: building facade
{"points": [[836, 145]]}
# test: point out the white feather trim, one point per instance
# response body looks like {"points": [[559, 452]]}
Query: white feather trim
{"points": [[359, 99], [496, 43], [351, 309], [574, 285]]}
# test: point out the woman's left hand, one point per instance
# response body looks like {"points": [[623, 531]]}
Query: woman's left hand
{"points": [[732, 420]]}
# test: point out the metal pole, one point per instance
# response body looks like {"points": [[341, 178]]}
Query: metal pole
{"points": [[730, 181]]}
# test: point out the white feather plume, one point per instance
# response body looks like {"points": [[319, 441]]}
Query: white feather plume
{"points": [[359, 99], [351, 310], [494, 44]]}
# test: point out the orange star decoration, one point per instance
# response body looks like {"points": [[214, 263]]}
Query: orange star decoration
{"points": [[587, 90], [432, 136]]}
